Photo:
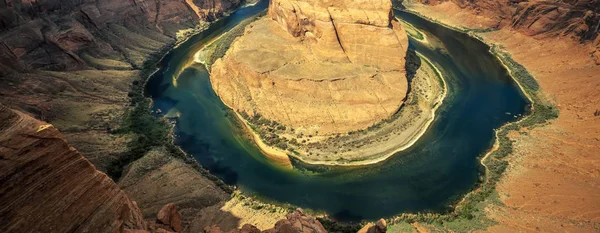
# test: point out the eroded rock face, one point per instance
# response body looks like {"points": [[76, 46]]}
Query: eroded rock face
{"points": [[295, 222], [58, 35], [326, 66], [95, 50], [579, 18], [47, 186], [379, 227], [169, 217]]}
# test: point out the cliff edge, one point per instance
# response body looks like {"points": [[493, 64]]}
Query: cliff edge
{"points": [[317, 67], [47, 186]]}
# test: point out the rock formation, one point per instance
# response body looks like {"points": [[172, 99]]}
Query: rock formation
{"points": [[295, 222], [47, 186], [579, 19], [170, 217], [379, 227], [67, 36], [72, 63], [314, 65]]}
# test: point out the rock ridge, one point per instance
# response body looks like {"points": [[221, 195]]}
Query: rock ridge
{"points": [[579, 19], [47, 182]]}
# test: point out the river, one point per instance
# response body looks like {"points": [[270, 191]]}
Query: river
{"points": [[429, 176]]}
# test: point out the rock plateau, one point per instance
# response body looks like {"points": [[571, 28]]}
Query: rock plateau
{"points": [[317, 66]]}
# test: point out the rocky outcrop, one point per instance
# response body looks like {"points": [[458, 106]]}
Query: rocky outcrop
{"points": [[379, 227], [73, 63], [73, 35], [295, 222], [158, 180], [47, 186], [541, 17], [317, 66], [579, 19], [169, 218]]}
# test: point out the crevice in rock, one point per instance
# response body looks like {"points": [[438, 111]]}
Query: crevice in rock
{"points": [[337, 36]]}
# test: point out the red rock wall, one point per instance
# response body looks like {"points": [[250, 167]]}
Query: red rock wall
{"points": [[57, 35], [575, 18], [47, 186]]}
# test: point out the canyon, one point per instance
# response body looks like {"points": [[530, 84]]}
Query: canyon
{"points": [[74, 64], [78, 65], [310, 74], [551, 181], [578, 20]]}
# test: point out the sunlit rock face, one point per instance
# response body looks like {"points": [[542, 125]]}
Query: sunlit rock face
{"points": [[73, 35], [47, 186], [326, 66], [578, 19]]}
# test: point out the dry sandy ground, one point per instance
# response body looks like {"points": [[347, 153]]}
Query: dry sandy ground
{"points": [[553, 181]]}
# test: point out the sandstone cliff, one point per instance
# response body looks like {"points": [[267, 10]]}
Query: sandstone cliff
{"points": [[47, 186], [317, 66], [578, 19], [73, 63], [296, 221]]}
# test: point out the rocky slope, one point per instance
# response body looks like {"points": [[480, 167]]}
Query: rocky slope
{"points": [[551, 182], [47, 186], [73, 63], [578, 19], [319, 67], [296, 221]]}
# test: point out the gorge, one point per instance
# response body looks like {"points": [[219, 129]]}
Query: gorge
{"points": [[466, 119], [485, 151]]}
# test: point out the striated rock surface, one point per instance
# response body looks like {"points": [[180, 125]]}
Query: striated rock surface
{"points": [[326, 66], [578, 19], [158, 180], [73, 35], [73, 63], [47, 186]]}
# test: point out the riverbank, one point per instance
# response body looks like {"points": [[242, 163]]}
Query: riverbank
{"points": [[202, 112], [203, 198], [370, 146], [383, 140], [532, 159]]}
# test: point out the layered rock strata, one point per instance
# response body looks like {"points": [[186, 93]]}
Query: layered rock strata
{"points": [[73, 63], [47, 186], [579, 19], [318, 67]]}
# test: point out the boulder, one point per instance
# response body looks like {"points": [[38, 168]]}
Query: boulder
{"points": [[379, 227], [170, 217]]}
